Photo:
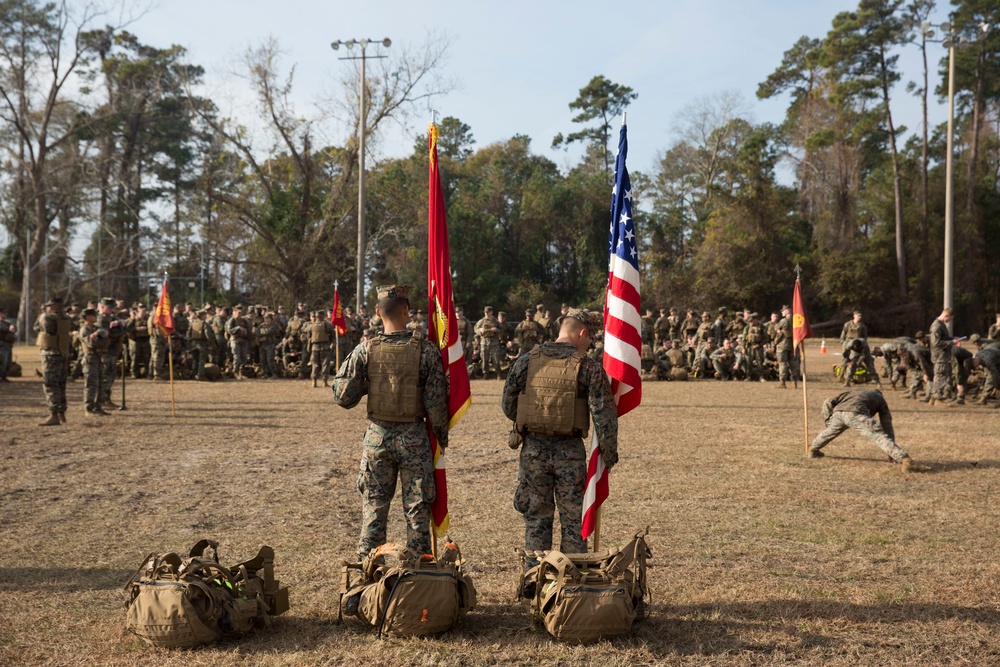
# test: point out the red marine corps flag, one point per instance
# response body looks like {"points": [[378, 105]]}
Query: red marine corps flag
{"points": [[800, 323], [441, 328], [800, 331], [622, 326], [337, 314], [163, 318]]}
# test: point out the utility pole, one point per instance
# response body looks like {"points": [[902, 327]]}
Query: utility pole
{"points": [[362, 44]]}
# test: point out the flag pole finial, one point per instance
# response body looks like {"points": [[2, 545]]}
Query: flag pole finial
{"points": [[624, 116], [798, 271]]}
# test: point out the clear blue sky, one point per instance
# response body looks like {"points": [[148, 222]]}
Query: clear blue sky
{"points": [[520, 63]]}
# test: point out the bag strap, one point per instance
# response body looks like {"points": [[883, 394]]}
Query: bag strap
{"points": [[564, 567]]}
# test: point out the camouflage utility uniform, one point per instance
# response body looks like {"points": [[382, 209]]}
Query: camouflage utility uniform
{"points": [[857, 409], [553, 468], [53, 339], [941, 343], [394, 449]]}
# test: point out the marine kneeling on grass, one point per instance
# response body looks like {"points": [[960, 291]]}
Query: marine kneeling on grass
{"points": [[857, 409]]}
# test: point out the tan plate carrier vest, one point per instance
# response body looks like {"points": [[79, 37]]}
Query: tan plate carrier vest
{"points": [[549, 404], [319, 333], [197, 330], [394, 392], [59, 341]]}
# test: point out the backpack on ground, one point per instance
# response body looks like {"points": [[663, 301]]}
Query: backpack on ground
{"points": [[181, 603], [404, 594], [583, 598]]}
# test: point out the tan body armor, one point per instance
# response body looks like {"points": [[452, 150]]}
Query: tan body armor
{"points": [[549, 404], [53, 334], [197, 330], [320, 333], [394, 391]]}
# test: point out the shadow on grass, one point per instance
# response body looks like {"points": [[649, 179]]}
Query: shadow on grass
{"points": [[936, 466], [61, 579], [710, 629]]}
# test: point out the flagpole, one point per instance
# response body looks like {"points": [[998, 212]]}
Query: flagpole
{"points": [[805, 394]]}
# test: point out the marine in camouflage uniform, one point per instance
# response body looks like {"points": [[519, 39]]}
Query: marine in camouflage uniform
{"points": [[115, 328], [267, 334], [488, 330], [238, 329], [941, 344], [198, 337], [94, 342], [137, 332], [853, 328], [528, 333], [724, 361], [783, 346], [8, 336], [917, 360], [321, 335], [53, 328], [754, 340], [396, 444], [553, 466], [218, 323], [158, 349], [988, 359], [857, 409]]}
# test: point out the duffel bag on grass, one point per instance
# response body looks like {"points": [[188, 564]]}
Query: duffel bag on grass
{"points": [[583, 598], [181, 603], [410, 596]]}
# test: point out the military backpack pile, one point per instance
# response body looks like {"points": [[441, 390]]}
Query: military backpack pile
{"points": [[584, 598], [404, 594], [181, 603]]}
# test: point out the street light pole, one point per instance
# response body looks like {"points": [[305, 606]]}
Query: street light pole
{"points": [[949, 203], [362, 235]]}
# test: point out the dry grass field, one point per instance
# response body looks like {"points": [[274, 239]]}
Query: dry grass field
{"points": [[761, 556]]}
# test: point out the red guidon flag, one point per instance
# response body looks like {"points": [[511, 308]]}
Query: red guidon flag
{"points": [[337, 317], [163, 318], [800, 323], [441, 328], [622, 324]]}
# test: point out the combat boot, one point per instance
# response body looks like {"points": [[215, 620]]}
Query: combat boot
{"points": [[108, 403], [62, 416], [960, 400], [981, 400], [315, 383], [99, 411], [53, 420], [782, 385], [910, 466], [816, 454]]}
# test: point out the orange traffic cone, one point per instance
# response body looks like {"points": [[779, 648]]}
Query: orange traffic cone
{"points": [[822, 346]]}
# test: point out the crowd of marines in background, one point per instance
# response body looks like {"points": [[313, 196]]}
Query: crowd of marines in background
{"points": [[241, 342]]}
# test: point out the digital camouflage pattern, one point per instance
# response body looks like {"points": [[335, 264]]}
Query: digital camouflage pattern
{"points": [[392, 450], [941, 344], [857, 409], [552, 469], [55, 371]]}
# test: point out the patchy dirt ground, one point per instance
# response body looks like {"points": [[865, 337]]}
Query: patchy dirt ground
{"points": [[761, 556]]}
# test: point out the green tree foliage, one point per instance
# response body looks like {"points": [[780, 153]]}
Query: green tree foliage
{"points": [[601, 100]]}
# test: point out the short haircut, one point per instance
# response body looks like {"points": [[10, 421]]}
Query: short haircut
{"points": [[392, 306], [571, 325]]}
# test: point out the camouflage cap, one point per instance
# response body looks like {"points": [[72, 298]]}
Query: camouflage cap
{"points": [[393, 291], [723, 309], [975, 338], [201, 311], [783, 308], [919, 335], [108, 301], [54, 301], [238, 306], [589, 319], [502, 313], [89, 312], [706, 314]]}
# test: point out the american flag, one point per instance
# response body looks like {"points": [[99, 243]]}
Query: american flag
{"points": [[622, 324]]}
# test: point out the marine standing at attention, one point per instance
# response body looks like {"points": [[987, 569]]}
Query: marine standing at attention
{"points": [[550, 394], [401, 372]]}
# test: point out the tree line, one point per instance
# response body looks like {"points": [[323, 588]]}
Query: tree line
{"points": [[103, 132]]}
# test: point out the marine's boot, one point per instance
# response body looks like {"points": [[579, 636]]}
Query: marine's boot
{"points": [[981, 400], [108, 403], [816, 454], [315, 383], [960, 400], [910, 466], [782, 385], [326, 382], [53, 420], [62, 416], [99, 411]]}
